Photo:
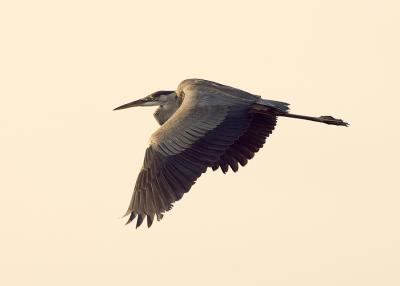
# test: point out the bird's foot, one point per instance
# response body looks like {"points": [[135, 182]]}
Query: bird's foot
{"points": [[333, 121]]}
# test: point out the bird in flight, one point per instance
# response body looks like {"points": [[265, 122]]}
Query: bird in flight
{"points": [[204, 124]]}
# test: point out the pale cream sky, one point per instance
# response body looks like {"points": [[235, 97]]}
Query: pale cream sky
{"points": [[318, 205]]}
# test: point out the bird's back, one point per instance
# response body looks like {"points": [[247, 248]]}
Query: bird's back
{"points": [[218, 92]]}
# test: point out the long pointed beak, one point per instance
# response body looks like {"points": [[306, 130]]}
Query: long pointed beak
{"points": [[146, 101]]}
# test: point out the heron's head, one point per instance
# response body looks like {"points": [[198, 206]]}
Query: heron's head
{"points": [[157, 98]]}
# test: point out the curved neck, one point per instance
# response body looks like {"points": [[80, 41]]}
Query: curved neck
{"points": [[165, 111]]}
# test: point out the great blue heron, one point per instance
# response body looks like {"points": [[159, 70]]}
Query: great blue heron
{"points": [[203, 124]]}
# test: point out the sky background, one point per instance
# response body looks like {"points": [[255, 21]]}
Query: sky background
{"points": [[318, 205]]}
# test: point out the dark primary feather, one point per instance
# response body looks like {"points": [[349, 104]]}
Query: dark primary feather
{"points": [[244, 148]]}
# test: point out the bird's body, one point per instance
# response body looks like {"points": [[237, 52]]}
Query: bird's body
{"points": [[203, 125]]}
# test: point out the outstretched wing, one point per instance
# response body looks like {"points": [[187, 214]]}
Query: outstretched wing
{"points": [[262, 122], [245, 147], [211, 118]]}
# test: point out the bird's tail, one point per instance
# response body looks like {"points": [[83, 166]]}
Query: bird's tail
{"points": [[278, 105]]}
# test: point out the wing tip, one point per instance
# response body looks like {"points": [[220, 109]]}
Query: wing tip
{"points": [[141, 217]]}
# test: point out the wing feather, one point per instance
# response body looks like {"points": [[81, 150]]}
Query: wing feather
{"points": [[250, 142]]}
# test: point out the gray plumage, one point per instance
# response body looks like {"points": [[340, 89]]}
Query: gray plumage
{"points": [[204, 124]]}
